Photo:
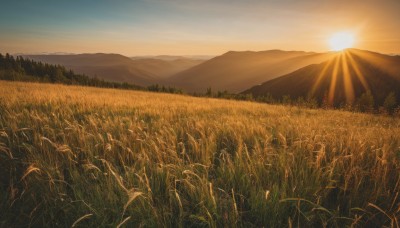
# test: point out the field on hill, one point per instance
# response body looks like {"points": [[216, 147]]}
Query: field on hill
{"points": [[76, 156]]}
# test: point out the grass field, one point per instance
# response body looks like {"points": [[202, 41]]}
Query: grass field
{"points": [[76, 156]]}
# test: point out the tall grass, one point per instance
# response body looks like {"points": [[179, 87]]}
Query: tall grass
{"points": [[76, 156]]}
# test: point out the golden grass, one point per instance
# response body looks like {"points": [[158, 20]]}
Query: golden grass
{"points": [[102, 157]]}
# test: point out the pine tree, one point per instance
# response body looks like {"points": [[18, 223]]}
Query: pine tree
{"points": [[366, 102], [390, 103]]}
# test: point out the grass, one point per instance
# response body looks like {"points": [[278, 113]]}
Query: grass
{"points": [[76, 156]]}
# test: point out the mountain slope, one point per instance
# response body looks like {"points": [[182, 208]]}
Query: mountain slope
{"points": [[24, 69], [174, 57], [110, 67], [341, 79], [237, 71], [114, 67], [165, 68]]}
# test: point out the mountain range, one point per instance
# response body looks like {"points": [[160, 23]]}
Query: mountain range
{"points": [[232, 71], [237, 71], [119, 68], [336, 76]]}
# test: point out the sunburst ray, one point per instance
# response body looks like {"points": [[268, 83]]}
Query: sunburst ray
{"points": [[332, 87], [320, 76], [347, 81], [357, 70]]}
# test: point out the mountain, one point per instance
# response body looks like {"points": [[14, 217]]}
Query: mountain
{"points": [[24, 69], [110, 67], [341, 79], [237, 71], [119, 68], [165, 68], [174, 57]]}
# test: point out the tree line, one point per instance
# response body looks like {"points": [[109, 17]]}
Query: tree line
{"points": [[364, 103]]}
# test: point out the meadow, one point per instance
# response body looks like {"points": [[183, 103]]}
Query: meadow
{"points": [[78, 156]]}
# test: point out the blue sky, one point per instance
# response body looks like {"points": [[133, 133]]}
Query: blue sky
{"points": [[149, 27]]}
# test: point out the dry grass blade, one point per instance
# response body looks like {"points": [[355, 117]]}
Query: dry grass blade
{"points": [[132, 195], [179, 200], [90, 166], [212, 194], [80, 219], [123, 222], [234, 203], [266, 194], [48, 140], [117, 178], [7, 151], [29, 170], [380, 210]]}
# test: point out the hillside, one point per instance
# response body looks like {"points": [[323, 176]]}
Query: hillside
{"points": [[237, 71], [342, 79], [174, 57], [110, 67], [24, 69], [78, 156], [118, 68], [163, 69]]}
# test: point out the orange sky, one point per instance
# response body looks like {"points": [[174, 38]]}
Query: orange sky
{"points": [[178, 27]]}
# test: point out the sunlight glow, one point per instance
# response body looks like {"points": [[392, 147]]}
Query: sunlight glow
{"points": [[341, 40], [344, 75]]}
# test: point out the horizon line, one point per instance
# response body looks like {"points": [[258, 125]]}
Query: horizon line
{"points": [[185, 55]]}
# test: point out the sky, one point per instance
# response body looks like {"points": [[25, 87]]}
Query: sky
{"points": [[194, 27]]}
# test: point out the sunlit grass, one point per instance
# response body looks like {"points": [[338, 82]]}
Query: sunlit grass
{"points": [[102, 157]]}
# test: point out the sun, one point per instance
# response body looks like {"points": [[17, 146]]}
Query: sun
{"points": [[341, 40]]}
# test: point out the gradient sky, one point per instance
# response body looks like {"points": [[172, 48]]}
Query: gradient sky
{"points": [[189, 27]]}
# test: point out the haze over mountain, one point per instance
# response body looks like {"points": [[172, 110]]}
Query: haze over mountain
{"points": [[341, 79], [119, 68], [174, 57], [237, 71], [165, 68]]}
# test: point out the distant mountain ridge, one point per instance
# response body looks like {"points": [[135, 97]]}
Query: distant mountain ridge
{"points": [[174, 57], [110, 67], [165, 68], [341, 79], [118, 68], [24, 69], [236, 71]]}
